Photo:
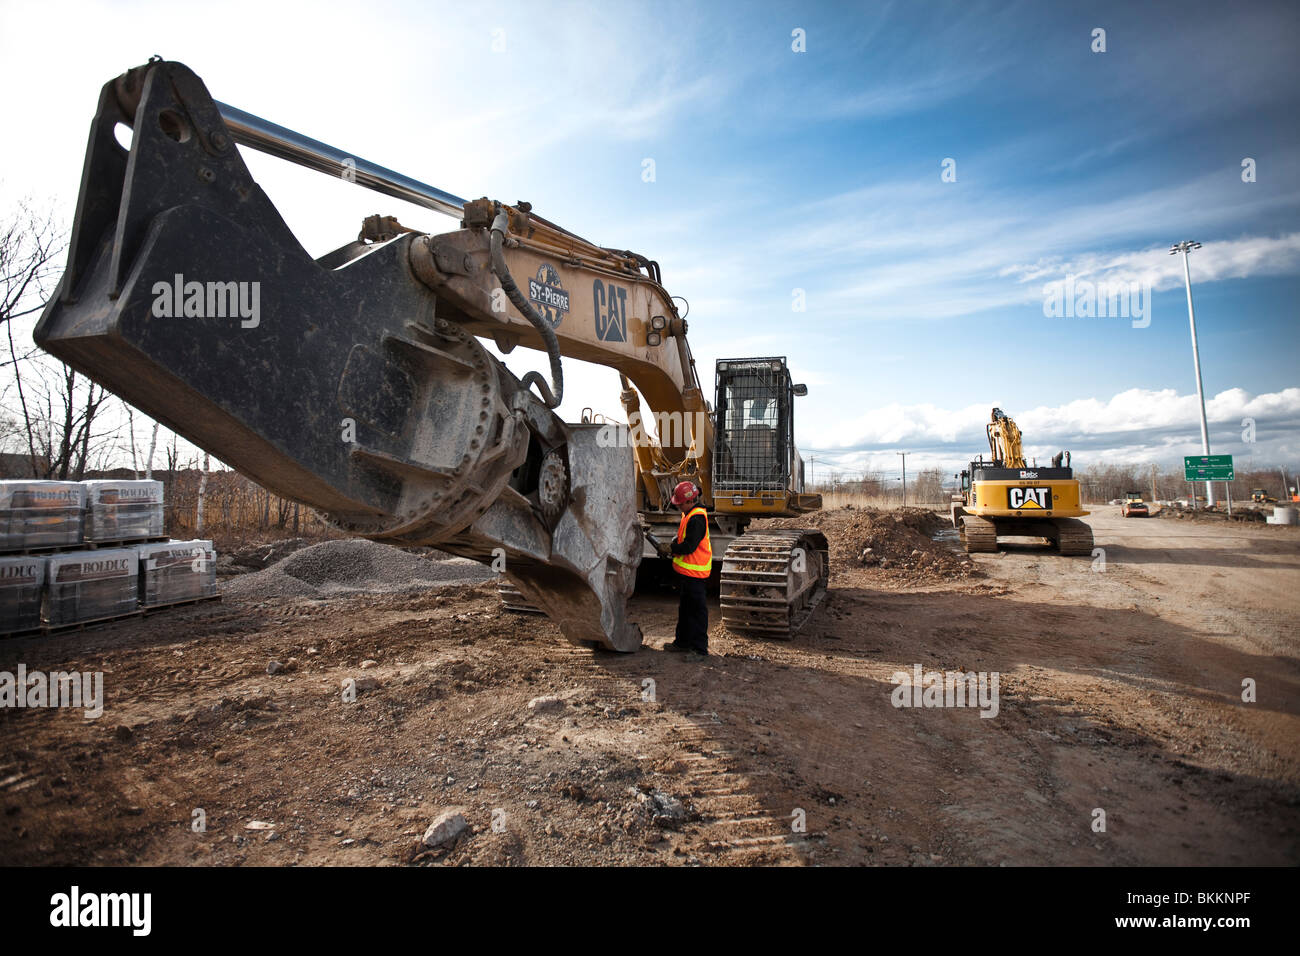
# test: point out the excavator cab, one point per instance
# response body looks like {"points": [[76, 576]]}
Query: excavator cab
{"points": [[770, 580], [756, 467]]}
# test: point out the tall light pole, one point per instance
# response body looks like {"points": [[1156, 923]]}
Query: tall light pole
{"points": [[904, 454], [1185, 247]]}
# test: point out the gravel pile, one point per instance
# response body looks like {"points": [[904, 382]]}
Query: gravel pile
{"points": [[354, 566]]}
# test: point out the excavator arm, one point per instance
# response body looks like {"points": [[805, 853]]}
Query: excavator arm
{"points": [[356, 383], [1004, 440]]}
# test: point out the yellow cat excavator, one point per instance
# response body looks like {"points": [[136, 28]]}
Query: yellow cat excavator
{"points": [[1005, 497], [358, 383]]}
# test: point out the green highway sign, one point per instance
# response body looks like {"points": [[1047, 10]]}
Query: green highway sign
{"points": [[1208, 468]]}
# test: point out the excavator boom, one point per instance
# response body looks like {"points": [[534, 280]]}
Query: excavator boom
{"points": [[356, 383], [1004, 440]]}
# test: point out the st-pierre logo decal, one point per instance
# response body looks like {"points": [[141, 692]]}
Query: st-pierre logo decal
{"points": [[549, 294]]}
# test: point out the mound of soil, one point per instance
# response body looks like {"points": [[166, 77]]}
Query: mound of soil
{"points": [[255, 557], [1202, 514], [898, 544]]}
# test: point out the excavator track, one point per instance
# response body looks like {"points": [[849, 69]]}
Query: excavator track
{"points": [[978, 535], [772, 581], [1073, 536]]}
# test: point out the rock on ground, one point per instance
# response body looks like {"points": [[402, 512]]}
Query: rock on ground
{"points": [[446, 828], [546, 705]]}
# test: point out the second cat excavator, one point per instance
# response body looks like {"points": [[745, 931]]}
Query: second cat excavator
{"points": [[359, 383], [1006, 497]]}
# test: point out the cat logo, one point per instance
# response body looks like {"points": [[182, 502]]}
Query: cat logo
{"points": [[548, 294], [1033, 499], [611, 311]]}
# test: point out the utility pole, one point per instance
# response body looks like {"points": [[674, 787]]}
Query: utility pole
{"points": [[1154, 496], [904, 454], [1185, 247]]}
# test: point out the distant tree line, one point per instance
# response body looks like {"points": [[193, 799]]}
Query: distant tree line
{"points": [[1101, 483], [930, 486], [1098, 483]]}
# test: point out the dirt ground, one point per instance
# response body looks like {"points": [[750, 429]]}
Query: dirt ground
{"points": [[1120, 691]]}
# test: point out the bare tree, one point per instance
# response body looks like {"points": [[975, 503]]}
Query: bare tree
{"points": [[30, 247], [60, 416], [130, 432], [928, 487], [153, 443], [169, 488], [203, 491]]}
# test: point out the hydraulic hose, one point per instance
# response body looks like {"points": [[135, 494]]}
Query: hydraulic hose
{"points": [[553, 395]]}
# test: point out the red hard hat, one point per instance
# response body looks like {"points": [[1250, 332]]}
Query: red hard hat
{"points": [[685, 492]]}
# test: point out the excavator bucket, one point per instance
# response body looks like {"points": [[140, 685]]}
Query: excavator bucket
{"points": [[343, 383]]}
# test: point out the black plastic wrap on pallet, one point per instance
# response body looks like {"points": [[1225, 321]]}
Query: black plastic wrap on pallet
{"points": [[123, 510], [89, 585], [174, 571], [22, 578], [41, 514]]}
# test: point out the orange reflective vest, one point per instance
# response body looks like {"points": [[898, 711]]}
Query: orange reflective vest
{"points": [[699, 562]]}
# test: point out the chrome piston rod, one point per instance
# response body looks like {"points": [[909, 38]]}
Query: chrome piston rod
{"points": [[267, 137]]}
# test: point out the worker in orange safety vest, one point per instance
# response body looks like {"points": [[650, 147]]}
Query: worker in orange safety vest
{"points": [[692, 557]]}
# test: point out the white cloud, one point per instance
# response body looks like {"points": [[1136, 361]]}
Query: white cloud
{"points": [[1227, 259], [1136, 425], [920, 249]]}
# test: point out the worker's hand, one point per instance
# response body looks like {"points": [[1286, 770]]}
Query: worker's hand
{"points": [[660, 549]]}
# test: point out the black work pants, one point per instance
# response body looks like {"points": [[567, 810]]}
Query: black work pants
{"points": [[692, 613]]}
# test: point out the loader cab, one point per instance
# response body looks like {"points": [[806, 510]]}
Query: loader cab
{"points": [[756, 465]]}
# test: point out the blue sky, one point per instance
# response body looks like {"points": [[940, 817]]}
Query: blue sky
{"points": [[777, 170]]}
